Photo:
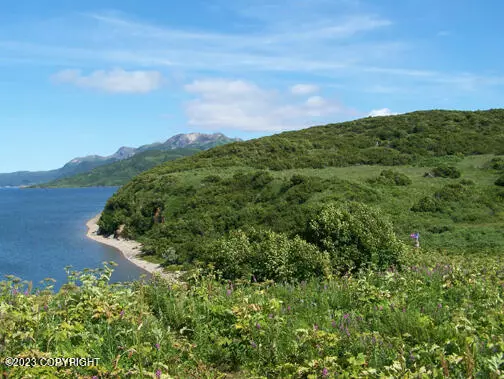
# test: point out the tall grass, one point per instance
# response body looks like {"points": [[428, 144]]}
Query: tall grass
{"points": [[437, 317]]}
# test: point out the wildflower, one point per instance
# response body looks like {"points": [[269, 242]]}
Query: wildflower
{"points": [[288, 308], [315, 327], [122, 313], [26, 292], [345, 316], [14, 291], [158, 373], [325, 372], [347, 332], [228, 292], [253, 344], [258, 326], [158, 346]]}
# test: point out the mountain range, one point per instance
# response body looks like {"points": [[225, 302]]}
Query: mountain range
{"points": [[193, 141]]}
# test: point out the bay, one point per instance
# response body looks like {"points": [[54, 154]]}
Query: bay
{"points": [[44, 230]]}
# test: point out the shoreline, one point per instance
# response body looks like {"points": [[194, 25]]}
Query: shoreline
{"points": [[128, 248]]}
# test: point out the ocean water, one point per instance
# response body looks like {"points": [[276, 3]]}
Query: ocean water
{"points": [[44, 230]]}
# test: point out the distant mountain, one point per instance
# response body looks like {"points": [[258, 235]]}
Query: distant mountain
{"points": [[81, 165], [120, 172]]}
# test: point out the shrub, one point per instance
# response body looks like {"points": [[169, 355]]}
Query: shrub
{"points": [[451, 192], [444, 171], [391, 177], [268, 256], [427, 204], [500, 181], [467, 182], [356, 236], [231, 255], [496, 163], [211, 179]]}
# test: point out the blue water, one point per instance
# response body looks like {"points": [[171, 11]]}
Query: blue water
{"points": [[44, 230]]}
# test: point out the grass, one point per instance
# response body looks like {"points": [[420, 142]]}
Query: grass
{"points": [[440, 316]]}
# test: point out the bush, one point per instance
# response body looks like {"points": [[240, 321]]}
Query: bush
{"points": [[356, 236], [467, 182], [500, 181], [391, 177], [496, 163], [427, 204], [444, 171], [231, 255], [268, 256], [451, 192]]}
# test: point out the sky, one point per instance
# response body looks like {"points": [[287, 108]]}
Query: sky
{"points": [[87, 77]]}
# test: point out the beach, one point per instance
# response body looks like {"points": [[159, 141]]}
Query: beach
{"points": [[129, 248]]}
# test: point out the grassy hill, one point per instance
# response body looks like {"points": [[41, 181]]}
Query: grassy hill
{"points": [[280, 183], [119, 173], [279, 208]]}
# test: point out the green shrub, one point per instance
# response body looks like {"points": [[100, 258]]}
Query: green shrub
{"points": [[467, 182], [267, 256], [496, 163], [356, 236], [211, 179], [391, 177], [427, 204], [500, 181], [444, 171], [451, 192]]}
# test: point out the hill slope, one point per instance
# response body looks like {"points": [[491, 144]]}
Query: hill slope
{"points": [[80, 165], [280, 182], [119, 173]]}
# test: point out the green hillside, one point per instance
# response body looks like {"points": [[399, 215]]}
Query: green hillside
{"points": [[279, 184], [119, 173]]}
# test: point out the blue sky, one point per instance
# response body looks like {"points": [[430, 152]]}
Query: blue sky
{"points": [[79, 78]]}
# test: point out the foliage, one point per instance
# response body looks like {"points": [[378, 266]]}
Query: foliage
{"points": [[391, 177], [500, 181], [439, 316], [496, 163], [356, 236], [266, 255], [444, 172]]}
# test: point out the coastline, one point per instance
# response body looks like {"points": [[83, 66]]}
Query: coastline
{"points": [[128, 248]]}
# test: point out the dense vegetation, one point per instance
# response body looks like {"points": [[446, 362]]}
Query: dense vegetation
{"points": [[297, 258], [438, 317], [280, 184], [119, 173]]}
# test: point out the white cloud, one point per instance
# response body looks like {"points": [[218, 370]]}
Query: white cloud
{"points": [[304, 89], [381, 112], [114, 81], [237, 104]]}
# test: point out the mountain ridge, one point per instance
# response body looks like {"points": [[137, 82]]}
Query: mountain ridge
{"points": [[87, 163]]}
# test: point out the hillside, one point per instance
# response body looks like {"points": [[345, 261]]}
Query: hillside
{"points": [[280, 183], [119, 173]]}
